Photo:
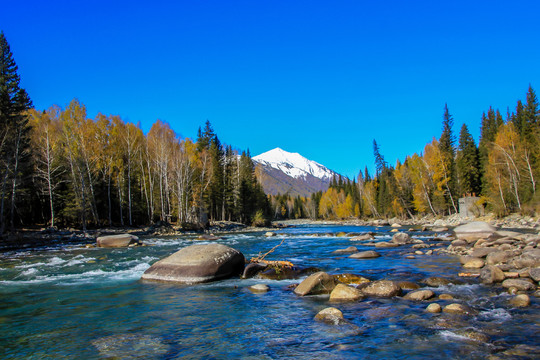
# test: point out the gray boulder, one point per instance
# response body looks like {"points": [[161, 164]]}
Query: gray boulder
{"points": [[474, 230], [114, 241], [197, 264], [315, 284]]}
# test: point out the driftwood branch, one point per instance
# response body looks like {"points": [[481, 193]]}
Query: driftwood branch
{"points": [[260, 258]]}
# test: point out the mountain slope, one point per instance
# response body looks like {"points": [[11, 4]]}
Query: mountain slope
{"points": [[283, 172]]}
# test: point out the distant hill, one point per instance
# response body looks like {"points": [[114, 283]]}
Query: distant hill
{"points": [[283, 172]]}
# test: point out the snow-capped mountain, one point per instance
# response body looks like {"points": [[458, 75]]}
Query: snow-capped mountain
{"points": [[283, 172]]}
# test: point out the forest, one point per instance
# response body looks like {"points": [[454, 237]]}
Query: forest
{"points": [[60, 168], [502, 171]]}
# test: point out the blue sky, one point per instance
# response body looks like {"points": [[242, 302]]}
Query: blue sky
{"points": [[322, 78]]}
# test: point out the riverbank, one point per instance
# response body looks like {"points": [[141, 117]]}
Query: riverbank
{"points": [[33, 238]]}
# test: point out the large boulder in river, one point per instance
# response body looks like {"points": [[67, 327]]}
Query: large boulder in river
{"points": [[474, 230], [197, 264], [315, 284], [113, 241]]}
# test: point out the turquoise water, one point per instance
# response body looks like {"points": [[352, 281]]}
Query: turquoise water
{"points": [[77, 303]]}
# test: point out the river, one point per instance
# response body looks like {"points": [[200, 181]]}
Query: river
{"points": [[68, 301]]}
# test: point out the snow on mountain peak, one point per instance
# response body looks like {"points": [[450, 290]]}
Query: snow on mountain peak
{"points": [[294, 164]]}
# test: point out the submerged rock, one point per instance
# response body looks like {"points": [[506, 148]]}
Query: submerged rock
{"points": [[208, 237], [436, 281], [197, 264], [130, 346], [318, 283], [113, 241], [408, 285]]}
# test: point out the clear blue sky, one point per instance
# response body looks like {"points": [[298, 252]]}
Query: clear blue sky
{"points": [[322, 78]]}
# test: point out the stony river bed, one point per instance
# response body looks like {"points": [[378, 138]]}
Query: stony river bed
{"points": [[68, 301]]}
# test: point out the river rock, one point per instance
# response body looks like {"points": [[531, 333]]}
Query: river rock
{"points": [[436, 281], [318, 283], [434, 308], [114, 241], [446, 297], [385, 244], [197, 264], [521, 300], [482, 252], [522, 285], [330, 315], [269, 234], [498, 257], [474, 230], [381, 288], [259, 288], [491, 274], [343, 292], [456, 308], [419, 295], [350, 279], [370, 254], [401, 238], [535, 274], [408, 285], [474, 263], [363, 237], [350, 249]]}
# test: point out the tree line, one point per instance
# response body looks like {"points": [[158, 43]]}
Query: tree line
{"points": [[62, 168], [502, 170]]}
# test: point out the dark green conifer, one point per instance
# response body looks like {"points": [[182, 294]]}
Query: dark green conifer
{"points": [[468, 164], [14, 129]]}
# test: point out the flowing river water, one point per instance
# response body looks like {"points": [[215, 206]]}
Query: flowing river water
{"points": [[67, 301]]}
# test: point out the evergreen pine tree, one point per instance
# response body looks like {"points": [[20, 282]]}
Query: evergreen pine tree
{"points": [[14, 132], [467, 164], [448, 152]]}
